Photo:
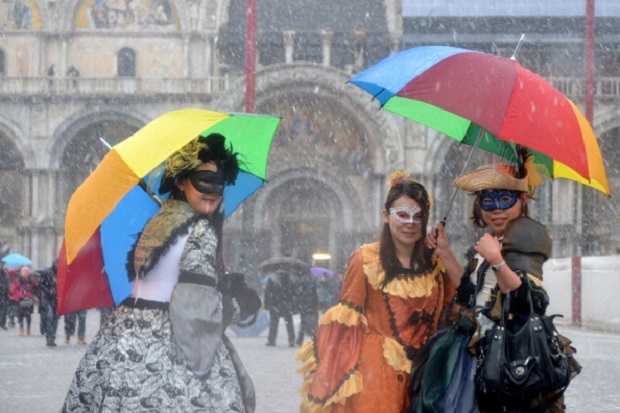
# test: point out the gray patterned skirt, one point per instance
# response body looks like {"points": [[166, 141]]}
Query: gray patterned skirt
{"points": [[133, 365]]}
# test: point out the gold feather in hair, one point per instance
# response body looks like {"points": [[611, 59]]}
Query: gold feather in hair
{"points": [[185, 159]]}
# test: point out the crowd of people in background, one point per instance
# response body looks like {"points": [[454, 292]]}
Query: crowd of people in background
{"points": [[24, 291], [287, 291]]}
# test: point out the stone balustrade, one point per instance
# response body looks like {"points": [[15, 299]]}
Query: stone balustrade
{"points": [[113, 86], [605, 88]]}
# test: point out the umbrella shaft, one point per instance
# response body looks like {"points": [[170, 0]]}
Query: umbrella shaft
{"points": [[471, 152]]}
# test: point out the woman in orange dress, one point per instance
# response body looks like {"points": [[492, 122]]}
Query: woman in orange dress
{"points": [[392, 297]]}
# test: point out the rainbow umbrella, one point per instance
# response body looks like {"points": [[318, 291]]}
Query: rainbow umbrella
{"points": [[491, 102], [115, 202]]}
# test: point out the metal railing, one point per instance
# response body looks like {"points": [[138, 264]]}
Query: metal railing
{"points": [[113, 86]]}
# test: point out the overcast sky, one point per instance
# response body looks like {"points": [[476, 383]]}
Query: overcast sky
{"points": [[508, 8]]}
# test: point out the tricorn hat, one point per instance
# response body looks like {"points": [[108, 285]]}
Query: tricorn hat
{"points": [[496, 176]]}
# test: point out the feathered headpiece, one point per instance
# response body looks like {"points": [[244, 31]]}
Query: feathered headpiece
{"points": [[201, 150]]}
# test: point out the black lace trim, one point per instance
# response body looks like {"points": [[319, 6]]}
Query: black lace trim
{"points": [[352, 306], [344, 378], [417, 318], [315, 352], [411, 273]]}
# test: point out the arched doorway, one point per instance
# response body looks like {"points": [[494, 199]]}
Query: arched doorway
{"points": [[322, 158], [305, 213]]}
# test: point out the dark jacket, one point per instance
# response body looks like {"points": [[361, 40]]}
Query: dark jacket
{"points": [[279, 294], [47, 286]]}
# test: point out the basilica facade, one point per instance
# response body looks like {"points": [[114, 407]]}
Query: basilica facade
{"points": [[77, 74]]}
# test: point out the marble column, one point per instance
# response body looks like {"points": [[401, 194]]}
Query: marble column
{"points": [[326, 43], [289, 45], [359, 40]]}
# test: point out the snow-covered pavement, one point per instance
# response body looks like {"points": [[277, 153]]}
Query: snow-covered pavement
{"points": [[35, 378]]}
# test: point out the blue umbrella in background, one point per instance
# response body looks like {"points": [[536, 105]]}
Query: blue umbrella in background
{"points": [[16, 260], [260, 324]]}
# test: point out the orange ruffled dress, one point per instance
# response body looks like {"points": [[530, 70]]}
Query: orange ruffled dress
{"points": [[358, 360]]}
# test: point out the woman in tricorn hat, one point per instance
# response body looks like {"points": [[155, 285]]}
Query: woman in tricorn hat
{"points": [[506, 260]]}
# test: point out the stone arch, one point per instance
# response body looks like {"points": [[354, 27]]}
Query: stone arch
{"points": [[346, 197], [439, 146], [67, 130], [77, 151], [15, 135], [381, 131]]}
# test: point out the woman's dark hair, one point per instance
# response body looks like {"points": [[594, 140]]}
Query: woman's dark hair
{"points": [[420, 257], [476, 214], [217, 220]]}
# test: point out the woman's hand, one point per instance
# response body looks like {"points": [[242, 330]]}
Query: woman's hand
{"points": [[490, 248], [438, 241]]}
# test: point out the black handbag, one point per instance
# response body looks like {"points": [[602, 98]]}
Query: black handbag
{"points": [[521, 359], [27, 302]]}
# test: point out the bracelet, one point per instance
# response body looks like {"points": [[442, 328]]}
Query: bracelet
{"points": [[496, 268]]}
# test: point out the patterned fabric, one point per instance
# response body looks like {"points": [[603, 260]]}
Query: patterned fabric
{"points": [[156, 356], [199, 252], [360, 358], [133, 365]]}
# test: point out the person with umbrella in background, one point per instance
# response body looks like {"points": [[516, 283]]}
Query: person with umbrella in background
{"points": [[501, 195], [393, 294], [164, 348]]}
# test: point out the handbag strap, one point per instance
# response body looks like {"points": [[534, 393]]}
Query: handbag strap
{"points": [[507, 304]]}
